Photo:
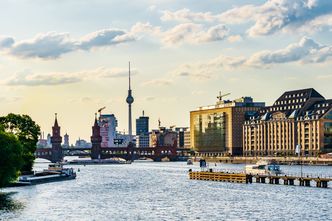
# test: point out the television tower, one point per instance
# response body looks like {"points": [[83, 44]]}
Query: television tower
{"points": [[129, 100]]}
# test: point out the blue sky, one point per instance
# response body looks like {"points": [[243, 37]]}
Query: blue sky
{"points": [[71, 56]]}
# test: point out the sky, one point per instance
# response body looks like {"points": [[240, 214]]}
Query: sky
{"points": [[71, 57]]}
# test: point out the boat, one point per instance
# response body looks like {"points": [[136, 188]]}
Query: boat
{"points": [[263, 167], [113, 160], [189, 162], [54, 173]]}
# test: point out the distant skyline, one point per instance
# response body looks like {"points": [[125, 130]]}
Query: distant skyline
{"points": [[71, 57]]}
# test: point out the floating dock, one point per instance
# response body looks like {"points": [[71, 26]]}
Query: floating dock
{"points": [[237, 177]]}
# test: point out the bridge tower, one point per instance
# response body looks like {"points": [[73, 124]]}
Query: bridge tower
{"points": [[96, 141], [56, 140]]}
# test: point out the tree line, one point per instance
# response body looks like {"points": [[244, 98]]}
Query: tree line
{"points": [[18, 142]]}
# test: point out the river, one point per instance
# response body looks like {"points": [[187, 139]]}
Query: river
{"points": [[162, 191]]}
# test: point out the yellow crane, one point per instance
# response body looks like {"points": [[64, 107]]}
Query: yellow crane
{"points": [[222, 95]]}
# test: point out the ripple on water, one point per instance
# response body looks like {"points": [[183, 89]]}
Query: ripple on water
{"points": [[162, 191]]}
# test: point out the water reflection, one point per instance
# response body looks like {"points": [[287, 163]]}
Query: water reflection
{"points": [[8, 204]]}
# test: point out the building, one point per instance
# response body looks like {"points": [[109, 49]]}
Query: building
{"points": [[217, 129], [143, 140], [163, 137], [107, 124], [49, 144], [300, 117], [80, 143], [142, 131], [66, 140], [142, 125], [187, 143], [180, 136]]}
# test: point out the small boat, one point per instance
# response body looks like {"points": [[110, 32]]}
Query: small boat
{"points": [[114, 160], [189, 162], [263, 167], [54, 173]]}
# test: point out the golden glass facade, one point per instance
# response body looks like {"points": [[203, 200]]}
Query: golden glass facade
{"points": [[217, 129], [209, 131]]}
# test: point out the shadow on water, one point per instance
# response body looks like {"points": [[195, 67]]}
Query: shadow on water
{"points": [[7, 204]]}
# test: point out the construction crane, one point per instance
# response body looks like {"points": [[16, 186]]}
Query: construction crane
{"points": [[99, 111], [222, 95]]}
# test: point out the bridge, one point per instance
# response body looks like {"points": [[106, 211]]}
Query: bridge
{"points": [[130, 153], [127, 153]]}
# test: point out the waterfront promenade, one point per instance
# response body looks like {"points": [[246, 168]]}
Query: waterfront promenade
{"points": [[163, 191]]}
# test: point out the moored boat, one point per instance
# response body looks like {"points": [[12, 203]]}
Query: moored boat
{"points": [[54, 173], [263, 167]]}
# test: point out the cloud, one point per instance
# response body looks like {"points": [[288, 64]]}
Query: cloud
{"points": [[113, 73], [276, 15], [52, 45], [234, 38], [158, 82], [103, 38], [6, 42], [266, 18], [324, 77], [27, 78], [185, 15], [194, 34], [305, 51], [30, 79], [10, 99]]}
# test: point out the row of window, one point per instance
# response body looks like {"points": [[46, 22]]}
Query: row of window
{"points": [[290, 101], [294, 95]]}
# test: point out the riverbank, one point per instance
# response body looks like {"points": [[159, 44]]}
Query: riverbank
{"points": [[279, 160]]}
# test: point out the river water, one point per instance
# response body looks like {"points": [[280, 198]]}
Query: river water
{"points": [[163, 191]]}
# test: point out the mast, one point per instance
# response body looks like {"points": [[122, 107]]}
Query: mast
{"points": [[129, 100]]}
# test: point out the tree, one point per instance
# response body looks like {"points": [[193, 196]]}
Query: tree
{"points": [[27, 132], [10, 157]]}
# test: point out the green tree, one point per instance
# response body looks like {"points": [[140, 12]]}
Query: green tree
{"points": [[27, 132], [10, 157]]}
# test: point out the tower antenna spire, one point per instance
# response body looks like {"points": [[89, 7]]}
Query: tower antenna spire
{"points": [[129, 77]]}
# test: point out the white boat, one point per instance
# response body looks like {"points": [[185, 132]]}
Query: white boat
{"points": [[263, 167], [55, 172]]}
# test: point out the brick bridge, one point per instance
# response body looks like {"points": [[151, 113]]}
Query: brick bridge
{"points": [[57, 152]]}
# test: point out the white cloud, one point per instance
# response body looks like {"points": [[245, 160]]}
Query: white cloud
{"points": [[266, 18], [47, 46], [52, 45], [238, 15], [27, 78], [193, 34], [104, 37], [276, 15], [234, 38], [30, 79], [185, 15], [305, 51]]}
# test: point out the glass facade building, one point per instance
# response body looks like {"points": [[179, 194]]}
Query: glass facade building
{"points": [[217, 129], [209, 130]]}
